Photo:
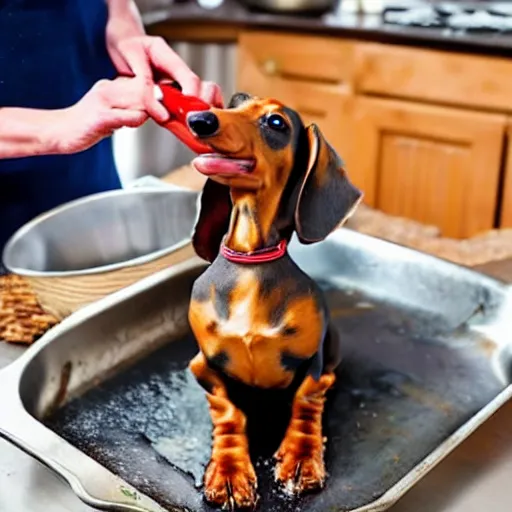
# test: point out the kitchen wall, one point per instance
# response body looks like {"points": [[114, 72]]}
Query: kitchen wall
{"points": [[152, 150]]}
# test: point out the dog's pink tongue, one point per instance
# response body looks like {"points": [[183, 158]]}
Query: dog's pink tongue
{"points": [[211, 165]]}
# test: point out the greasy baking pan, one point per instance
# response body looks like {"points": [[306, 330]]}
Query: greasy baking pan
{"points": [[106, 401]]}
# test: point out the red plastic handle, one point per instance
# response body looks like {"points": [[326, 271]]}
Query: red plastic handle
{"points": [[179, 105]]}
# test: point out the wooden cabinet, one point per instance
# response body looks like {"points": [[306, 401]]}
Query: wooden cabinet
{"points": [[313, 83], [423, 132], [506, 197], [313, 58], [470, 81], [436, 165]]}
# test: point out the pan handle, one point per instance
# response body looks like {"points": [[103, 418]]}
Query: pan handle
{"points": [[91, 482]]}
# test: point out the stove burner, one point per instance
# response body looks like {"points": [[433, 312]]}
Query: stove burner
{"points": [[492, 19], [414, 17], [480, 21]]}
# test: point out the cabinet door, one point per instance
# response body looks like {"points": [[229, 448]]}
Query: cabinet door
{"points": [[326, 104], [436, 165], [297, 56], [506, 207]]}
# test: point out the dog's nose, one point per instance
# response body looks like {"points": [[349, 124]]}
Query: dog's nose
{"points": [[203, 124]]}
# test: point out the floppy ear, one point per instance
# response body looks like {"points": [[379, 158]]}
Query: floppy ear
{"points": [[213, 220], [327, 198]]}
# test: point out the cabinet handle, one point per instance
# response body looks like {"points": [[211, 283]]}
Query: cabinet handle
{"points": [[270, 67]]}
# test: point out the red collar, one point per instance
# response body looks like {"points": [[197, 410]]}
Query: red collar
{"points": [[259, 256]]}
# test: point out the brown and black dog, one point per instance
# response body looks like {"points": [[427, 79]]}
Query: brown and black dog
{"points": [[258, 319]]}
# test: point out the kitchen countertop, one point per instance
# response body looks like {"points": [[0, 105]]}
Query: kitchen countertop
{"points": [[473, 478], [160, 15]]}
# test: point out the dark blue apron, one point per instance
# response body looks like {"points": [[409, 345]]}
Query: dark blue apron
{"points": [[51, 53]]}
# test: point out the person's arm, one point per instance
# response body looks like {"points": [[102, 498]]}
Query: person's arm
{"points": [[136, 54], [26, 132], [108, 106]]}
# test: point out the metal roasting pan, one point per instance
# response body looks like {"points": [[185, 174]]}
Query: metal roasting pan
{"points": [[104, 399]]}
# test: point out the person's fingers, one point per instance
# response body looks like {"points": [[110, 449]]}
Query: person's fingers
{"points": [[207, 92], [123, 103], [166, 60], [211, 93], [85, 126], [131, 94], [120, 63], [120, 118], [145, 54], [136, 55], [155, 109], [121, 92]]}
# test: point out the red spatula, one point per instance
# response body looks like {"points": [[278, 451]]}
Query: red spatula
{"points": [[179, 105]]}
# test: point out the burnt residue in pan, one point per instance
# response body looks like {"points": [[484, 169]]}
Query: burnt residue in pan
{"points": [[60, 397], [405, 384]]}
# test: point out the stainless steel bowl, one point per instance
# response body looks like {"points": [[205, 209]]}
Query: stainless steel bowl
{"points": [[79, 252]]}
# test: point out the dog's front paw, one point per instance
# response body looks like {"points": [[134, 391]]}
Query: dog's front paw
{"points": [[300, 473], [231, 485]]}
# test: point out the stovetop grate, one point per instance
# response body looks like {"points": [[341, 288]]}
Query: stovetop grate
{"points": [[456, 16]]}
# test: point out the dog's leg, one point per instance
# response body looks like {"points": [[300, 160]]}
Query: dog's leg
{"points": [[230, 479], [300, 457]]}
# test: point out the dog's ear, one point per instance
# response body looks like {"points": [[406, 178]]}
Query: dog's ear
{"points": [[212, 221], [238, 98], [326, 198]]}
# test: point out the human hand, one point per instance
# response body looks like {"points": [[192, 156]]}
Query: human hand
{"points": [[136, 54], [108, 106]]}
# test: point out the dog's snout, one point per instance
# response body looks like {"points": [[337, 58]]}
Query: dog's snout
{"points": [[203, 124]]}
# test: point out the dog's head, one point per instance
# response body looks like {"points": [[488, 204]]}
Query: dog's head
{"points": [[262, 146]]}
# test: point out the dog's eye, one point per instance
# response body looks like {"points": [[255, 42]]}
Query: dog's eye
{"points": [[276, 122]]}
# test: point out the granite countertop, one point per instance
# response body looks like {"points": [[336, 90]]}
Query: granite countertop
{"points": [[367, 27]]}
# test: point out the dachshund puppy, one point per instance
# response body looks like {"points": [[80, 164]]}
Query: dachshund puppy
{"points": [[256, 316]]}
